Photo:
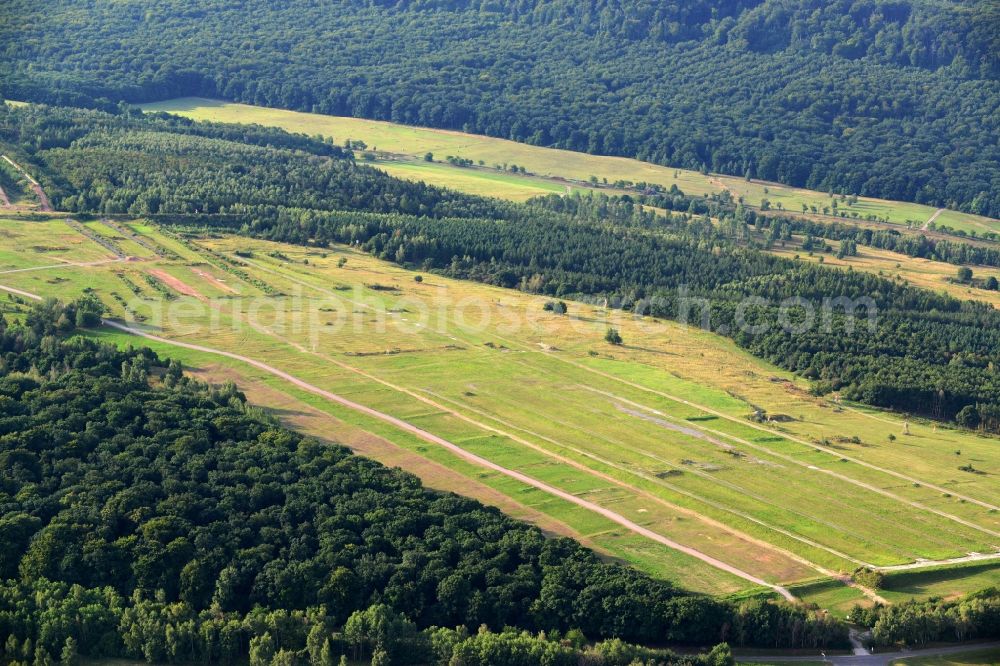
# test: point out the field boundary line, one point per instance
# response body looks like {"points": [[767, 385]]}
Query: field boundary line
{"points": [[779, 433], [584, 468], [472, 457], [846, 580], [551, 455], [68, 264], [689, 494]]}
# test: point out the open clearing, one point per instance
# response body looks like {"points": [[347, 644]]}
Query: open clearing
{"points": [[656, 431], [936, 276], [414, 142]]}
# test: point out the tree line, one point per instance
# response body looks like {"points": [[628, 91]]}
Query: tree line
{"points": [[917, 623]]}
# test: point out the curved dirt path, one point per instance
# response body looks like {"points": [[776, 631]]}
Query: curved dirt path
{"points": [[459, 451], [454, 448]]}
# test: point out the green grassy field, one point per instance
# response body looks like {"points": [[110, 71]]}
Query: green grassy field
{"points": [[656, 430], [971, 658], [484, 182], [831, 595], [946, 582], [546, 162]]}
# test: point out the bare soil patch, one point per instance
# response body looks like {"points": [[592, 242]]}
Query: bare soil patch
{"points": [[176, 284]]}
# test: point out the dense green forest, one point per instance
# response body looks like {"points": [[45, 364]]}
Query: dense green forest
{"points": [[924, 353], [889, 98], [147, 515]]}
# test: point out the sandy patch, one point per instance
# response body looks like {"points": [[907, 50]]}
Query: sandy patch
{"points": [[176, 284]]}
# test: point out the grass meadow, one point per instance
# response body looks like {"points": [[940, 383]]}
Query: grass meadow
{"points": [[657, 430]]}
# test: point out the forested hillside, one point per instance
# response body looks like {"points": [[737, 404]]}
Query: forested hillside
{"points": [[146, 515], [890, 98]]}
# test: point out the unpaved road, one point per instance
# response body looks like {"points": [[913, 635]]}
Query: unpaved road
{"points": [[842, 477], [43, 200], [453, 448], [68, 263], [459, 451], [933, 217], [790, 437], [922, 564]]}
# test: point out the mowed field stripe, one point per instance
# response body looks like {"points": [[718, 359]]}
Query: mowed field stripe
{"points": [[588, 470], [804, 442], [706, 519]]}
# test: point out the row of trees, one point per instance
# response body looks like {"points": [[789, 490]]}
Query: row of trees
{"points": [[143, 165], [911, 244], [855, 96], [79, 622], [918, 623]]}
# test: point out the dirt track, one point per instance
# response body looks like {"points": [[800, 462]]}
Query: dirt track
{"points": [[728, 417], [43, 200], [927, 224], [462, 453]]}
